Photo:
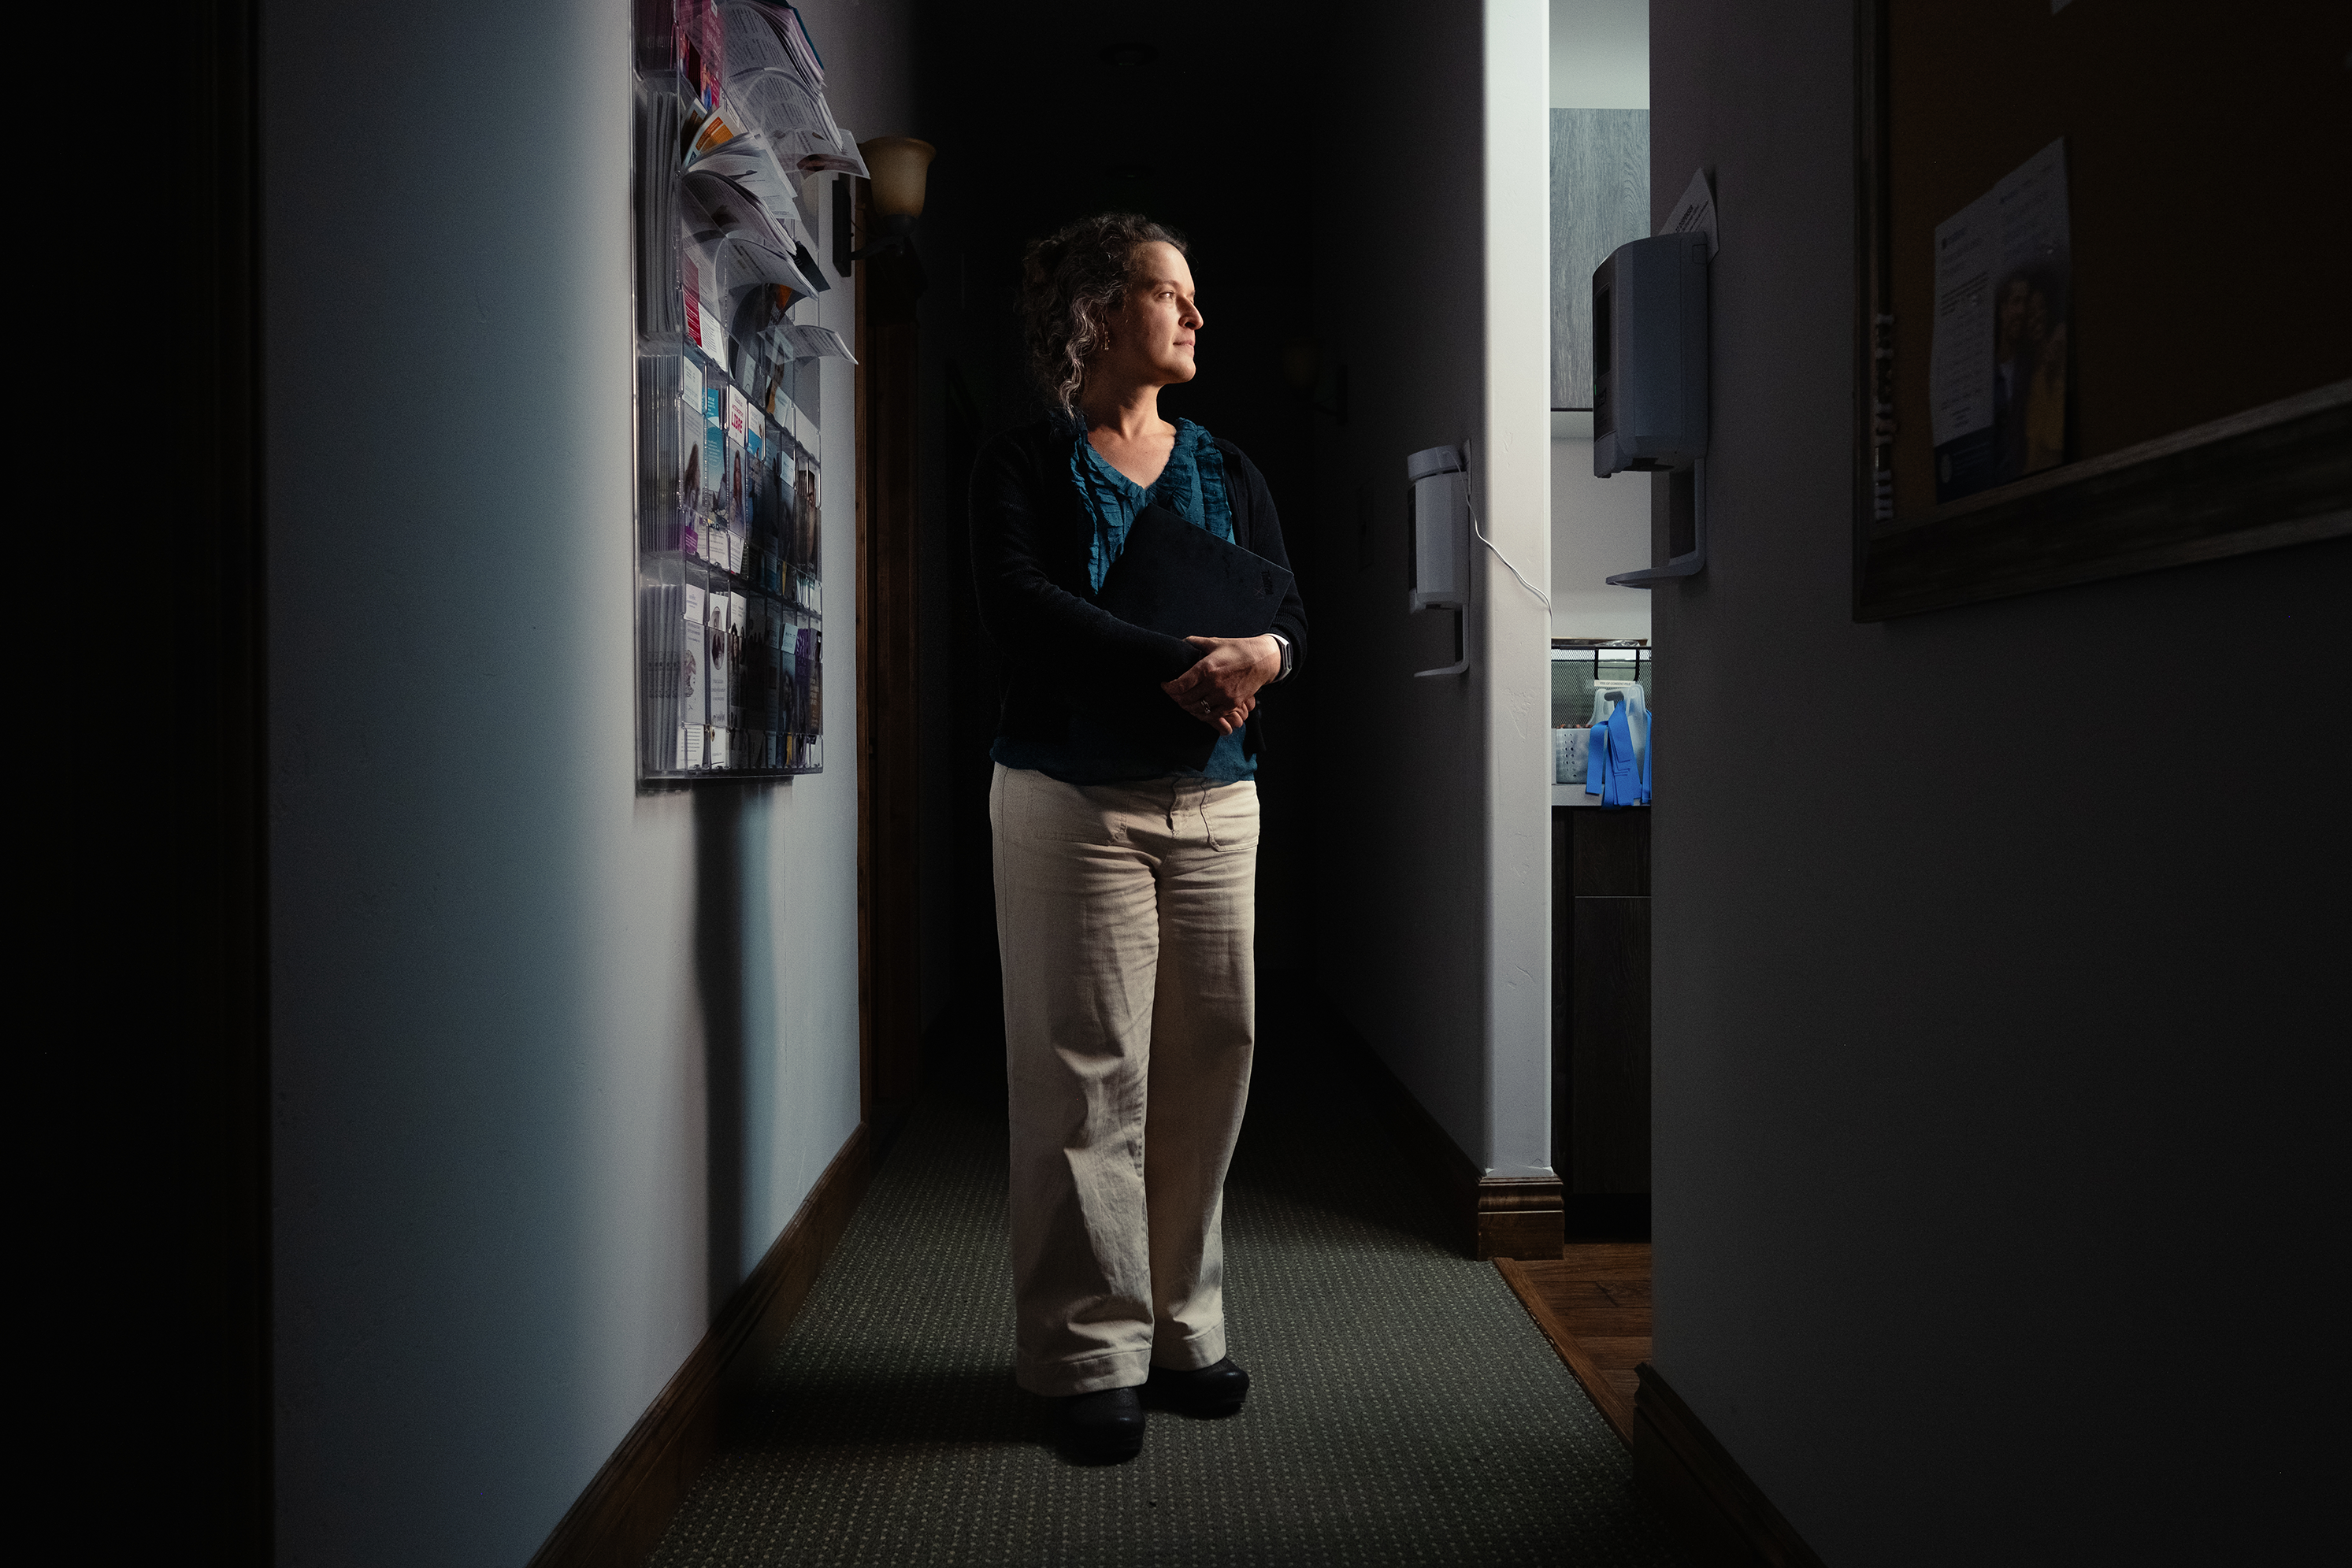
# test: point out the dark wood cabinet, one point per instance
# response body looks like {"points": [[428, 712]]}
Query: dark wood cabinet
{"points": [[1600, 1018]]}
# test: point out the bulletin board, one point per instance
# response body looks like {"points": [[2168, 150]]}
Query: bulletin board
{"points": [[2161, 371]]}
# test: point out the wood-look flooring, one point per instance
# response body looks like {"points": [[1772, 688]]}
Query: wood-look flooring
{"points": [[1593, 1304]]}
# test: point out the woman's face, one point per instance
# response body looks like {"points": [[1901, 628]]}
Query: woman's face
{"points": [[1151, 335]]}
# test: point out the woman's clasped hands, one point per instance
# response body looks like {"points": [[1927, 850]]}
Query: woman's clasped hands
{"points": [[1221, 690]]}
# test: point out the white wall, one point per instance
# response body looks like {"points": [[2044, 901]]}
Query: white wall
{"points": [[553, 1061], [1515, 631], [1599, 53], [1994, 1054], [1432, 918], [1600, 56], [1599, 527]]}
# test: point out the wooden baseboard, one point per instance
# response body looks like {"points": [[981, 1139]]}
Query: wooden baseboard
{"points": [[1499, 1216], [1606, 1399], [617, 1521], [1720, 1513], [1518, 1217]]}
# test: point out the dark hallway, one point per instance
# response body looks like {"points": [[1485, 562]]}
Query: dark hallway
{"points": [[559, 1115], [1192, 122]]}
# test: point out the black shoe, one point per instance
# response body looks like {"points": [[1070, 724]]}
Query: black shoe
{"points": [[1216, 1390], [1103, 1429]]}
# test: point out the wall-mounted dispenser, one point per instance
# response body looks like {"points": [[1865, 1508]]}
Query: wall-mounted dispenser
{"points": [[1437, 513], [1650, 379], [1649, 355]]}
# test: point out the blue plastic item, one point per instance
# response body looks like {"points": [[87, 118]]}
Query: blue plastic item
{"points": [[1624, 776], [1612, 769]]}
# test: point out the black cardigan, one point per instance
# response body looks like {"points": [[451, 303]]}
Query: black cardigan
{"points": [[1031, 537]]}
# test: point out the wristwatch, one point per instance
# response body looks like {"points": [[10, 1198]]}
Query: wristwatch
{"points": [[1289, 656]]}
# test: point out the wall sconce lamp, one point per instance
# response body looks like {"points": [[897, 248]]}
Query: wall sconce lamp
{"points": [[896, 166]]}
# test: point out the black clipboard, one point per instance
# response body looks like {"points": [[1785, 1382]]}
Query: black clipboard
{"points": [[1182, 579]]}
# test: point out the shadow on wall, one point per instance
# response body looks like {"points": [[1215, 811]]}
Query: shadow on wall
{"points": [[719, 983]]}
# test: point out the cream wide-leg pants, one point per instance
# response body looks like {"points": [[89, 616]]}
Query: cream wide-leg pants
{"points": [[1125, 915]]}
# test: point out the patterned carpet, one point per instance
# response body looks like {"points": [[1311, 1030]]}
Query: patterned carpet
{"points": [[1403, 1408]]}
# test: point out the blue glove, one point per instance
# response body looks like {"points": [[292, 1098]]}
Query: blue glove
{"points": [[1623, 787]]}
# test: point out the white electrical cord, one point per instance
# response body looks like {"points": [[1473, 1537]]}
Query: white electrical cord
{"points": [[1544, 598]]}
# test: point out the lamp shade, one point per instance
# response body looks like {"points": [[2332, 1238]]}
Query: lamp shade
{"points": [[896, 164]]}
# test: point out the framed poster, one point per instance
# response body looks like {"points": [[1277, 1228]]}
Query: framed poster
{"points": [[2103, 328]]}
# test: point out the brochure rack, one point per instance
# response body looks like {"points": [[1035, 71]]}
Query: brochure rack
{"points": [[732, 130]]}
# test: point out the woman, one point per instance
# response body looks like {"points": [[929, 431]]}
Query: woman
{"points": [[1125, 878]]}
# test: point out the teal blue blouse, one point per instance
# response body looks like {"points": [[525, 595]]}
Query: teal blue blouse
{"points": [[1193, 487]]}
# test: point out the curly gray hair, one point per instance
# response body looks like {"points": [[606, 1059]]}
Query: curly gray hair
{"points": [[1071, 282]]}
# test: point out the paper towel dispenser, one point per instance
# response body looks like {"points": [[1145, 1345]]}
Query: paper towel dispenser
{"points": [[1650, 355], [1437, 515], [1439, 522]]}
